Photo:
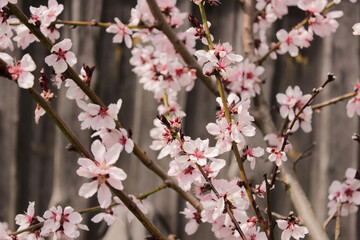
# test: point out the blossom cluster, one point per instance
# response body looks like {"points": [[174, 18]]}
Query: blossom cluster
{"points": [[290, 105], [57, 223], [346, 194]]}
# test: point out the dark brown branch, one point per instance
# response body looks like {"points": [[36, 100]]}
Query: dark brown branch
{"points": [[271, 225]]}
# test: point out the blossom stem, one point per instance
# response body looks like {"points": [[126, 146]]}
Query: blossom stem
{"points": [[235, 149], [155, 190], [260, 60], [334, 100], [337, 225], [95, 23], [328, 220], [206, 27], [166, 104]]}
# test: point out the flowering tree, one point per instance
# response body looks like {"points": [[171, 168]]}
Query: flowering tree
{"points": [[167, 63]]}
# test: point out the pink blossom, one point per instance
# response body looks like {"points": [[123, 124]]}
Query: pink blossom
{"points": [[251, 153], [4, 231], [51, 32], [277, 141], [244, 79], [290, 42], [39, 112], [324, 24], [53, 11], [102, 172], [24, 37], [315, 6], [121, 32], [198, 151], [110, 137], [5, 28], [62, 224], [253, 233], [353, 106], [5, 2], [221, 130], [6, 42], [217, 59], [347, 194], [37, 13], [25, 220], [214, 207], [291, 228], [260, 190], [194, 219], [356, 29], [185, 176], [97, 117], [109, 216], [61, 56], [20, 72], [291, 103], [276, 156]]}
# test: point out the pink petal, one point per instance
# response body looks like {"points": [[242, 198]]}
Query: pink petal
{"points": [[88, 189], [104, 196]]}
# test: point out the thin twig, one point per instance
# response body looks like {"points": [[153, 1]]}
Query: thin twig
{"points": [[337, 225], [328, 220], [334, 100], [155, 190]]}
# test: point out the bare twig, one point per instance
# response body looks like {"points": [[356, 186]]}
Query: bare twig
{"points": [[328, 220], [155, 190], [334, 100], [306, 153]]}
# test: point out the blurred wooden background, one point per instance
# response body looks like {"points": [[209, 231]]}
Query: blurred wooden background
{"points": [[36, 167]]}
